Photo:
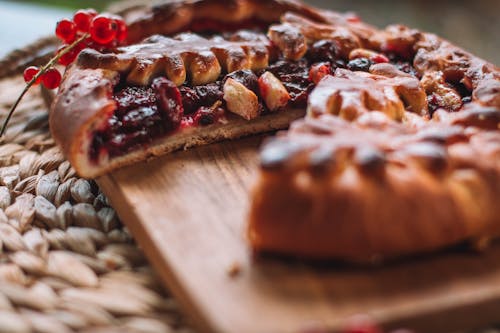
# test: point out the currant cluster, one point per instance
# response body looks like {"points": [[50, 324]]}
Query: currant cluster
{"points": [[103, 31], [87, 29]]}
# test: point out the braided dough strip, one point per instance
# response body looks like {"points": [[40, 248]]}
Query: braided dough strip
{"points": [[373, 188]]}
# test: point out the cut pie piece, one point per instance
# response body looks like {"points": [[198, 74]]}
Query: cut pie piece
{"points": [[232, 75], [374, 188], [200, 72]]}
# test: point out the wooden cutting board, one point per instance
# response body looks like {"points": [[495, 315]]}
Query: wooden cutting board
{"points": [[188, 210]]}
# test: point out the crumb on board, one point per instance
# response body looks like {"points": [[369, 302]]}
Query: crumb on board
{"points": [[234, 270]]}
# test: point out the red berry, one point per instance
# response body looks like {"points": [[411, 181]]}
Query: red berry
{"points": [[51, 79], [66, 30], [103, 29], [71, 55], [400, 49], [121, 35], [361, 324], [319, 71], [379, 58], [187, 122], [83, 17], [67, 58], [29, 74]]}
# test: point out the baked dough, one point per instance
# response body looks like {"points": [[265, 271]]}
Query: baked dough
{"points": [[374, 188]]}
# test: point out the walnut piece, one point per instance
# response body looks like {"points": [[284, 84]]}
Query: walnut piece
{"points": [[241, 100], [273, 91]]}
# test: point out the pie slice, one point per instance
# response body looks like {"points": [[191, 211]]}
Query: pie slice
{"points": [[198, 72]]}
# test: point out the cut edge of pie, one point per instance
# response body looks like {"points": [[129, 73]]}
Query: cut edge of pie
{"points": [[90, 109]]}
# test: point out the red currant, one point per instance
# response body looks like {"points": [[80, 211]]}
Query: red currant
{"points": [[66, 30], [67, 58], [379, 58], [187, 122], [83, 17], [319, 71], [51, 78], [400, 49], [29, 74], [71, 55], [121, 35], [103, 29]]}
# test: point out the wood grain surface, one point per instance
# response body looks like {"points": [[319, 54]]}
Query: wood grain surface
{"points": [[187, 211]]}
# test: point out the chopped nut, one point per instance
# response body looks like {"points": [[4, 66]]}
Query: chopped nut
{"points": [[361, 53], [240, 99], [273, 91], [289, 40], [234, 270], [434, 83]]}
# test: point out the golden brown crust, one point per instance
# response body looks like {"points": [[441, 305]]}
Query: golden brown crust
{"points": [[350, 94], [82, 103], [185, 55], [377, 189], [435, 56], [175, 16]]}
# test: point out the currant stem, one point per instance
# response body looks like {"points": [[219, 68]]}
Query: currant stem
{"points": [[40, 73]]}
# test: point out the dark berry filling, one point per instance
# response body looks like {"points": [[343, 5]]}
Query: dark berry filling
{"points": [[326, 51], [143, 114], [195, 97], [246, 77], [467, 99], [406, 67], [207, 115], [295, 78], [434, 101], [323, 50]]}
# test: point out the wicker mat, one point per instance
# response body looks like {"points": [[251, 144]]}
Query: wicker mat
{"points": [[67, 263]]}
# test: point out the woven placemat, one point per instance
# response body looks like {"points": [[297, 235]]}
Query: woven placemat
{"points": [[66, 262]]}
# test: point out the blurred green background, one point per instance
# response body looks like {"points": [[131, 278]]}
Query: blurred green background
{"points": [[472, 24], [72, 4]]}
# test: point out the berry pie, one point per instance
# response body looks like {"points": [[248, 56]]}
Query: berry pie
{"points": [[194, 72], [398, 153]]}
